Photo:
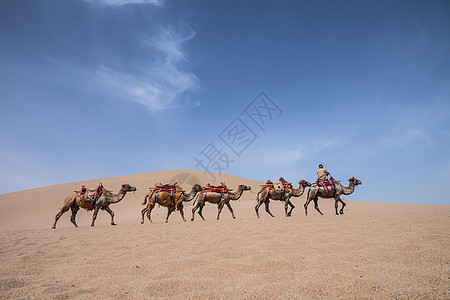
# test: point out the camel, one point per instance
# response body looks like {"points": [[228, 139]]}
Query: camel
{"points": [[266, 194], [171, 201], [220, 199], [75, 201], [315, 192]]}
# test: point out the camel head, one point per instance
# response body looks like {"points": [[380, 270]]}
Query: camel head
{"points": [[355, 181], [128, 188], [245, 187], [304, 183], [197, 187]]}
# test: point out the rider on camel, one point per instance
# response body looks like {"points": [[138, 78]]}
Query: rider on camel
{"points": [[323, 180], [322, 173]]}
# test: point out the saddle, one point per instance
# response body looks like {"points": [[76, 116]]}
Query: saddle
{"points": [[328, 185], [269, 185], [89, 196], [166, 188], [279, 188], [219, 189]]}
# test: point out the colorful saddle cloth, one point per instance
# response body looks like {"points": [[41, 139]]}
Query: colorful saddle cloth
{"points": [[166, 188], [279, 187], [269, 184], [89, 196], [328, 185], [219, 189]]}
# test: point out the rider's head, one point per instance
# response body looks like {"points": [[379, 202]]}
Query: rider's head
{"points": [[320, 166], [281, 179]]}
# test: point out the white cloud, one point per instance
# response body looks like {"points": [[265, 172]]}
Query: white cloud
{"points": [[164, 80], [409, 136], [329, 142], [123, 2]]}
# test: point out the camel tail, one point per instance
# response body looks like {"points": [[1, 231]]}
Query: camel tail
{"points": [[145, 200], [196, 198], [257, 196], [189, 200]]}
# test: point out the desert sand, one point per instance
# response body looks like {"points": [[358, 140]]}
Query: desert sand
{"points": [[375, 250]]}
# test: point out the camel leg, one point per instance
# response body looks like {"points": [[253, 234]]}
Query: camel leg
{"points": [[258, 204], [67, 203], [182, 213], [292, 208], [111, 213], [231, 209], [343, 205], [94, 216], [58, 215], [149, 212], [336, 206], [219, 209], [74, 209], [287, 203], [143, 213], [316, 205], [306, 205], [200, 211], [267, 208], [197, 205], [169, 211]]}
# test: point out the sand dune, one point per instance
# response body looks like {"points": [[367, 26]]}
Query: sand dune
{"points": [[374, 250]]}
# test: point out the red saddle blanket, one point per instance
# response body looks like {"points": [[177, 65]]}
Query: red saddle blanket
{"points": [[219, 189], [327, 185], [166, 188]]}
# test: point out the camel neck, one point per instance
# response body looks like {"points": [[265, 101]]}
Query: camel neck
{"points": [[298, 192], [350, 189], [119, 196], [192, 194], [238, 194]]}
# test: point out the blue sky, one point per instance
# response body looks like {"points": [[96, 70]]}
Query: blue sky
{"points": [[103, 88]]}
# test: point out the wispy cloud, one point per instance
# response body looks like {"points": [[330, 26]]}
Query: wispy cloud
{"points": [[324, 143], [164, 80], [123, 2], [409, 136]]}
